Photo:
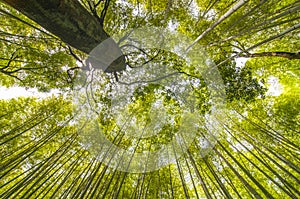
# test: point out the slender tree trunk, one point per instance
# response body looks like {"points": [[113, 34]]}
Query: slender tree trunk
{"points": [[72, 23]]}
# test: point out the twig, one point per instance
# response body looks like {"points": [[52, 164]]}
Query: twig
{"points": [[12, 57], [149, 81], [74, 55], [104, 11]]}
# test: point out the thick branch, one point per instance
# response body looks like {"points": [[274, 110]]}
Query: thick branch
{"points": [[287, 55]]}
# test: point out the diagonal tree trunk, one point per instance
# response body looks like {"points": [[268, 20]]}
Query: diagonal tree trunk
{"points": [[72, 23]]}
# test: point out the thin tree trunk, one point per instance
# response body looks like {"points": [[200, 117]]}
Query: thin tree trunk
{"points": [[201, 178], [221, 19]]}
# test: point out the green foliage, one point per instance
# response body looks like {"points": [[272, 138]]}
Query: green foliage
{"points": [[249, 150], [27, 54]]}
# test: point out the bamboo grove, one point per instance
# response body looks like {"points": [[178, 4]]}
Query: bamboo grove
{"points": [[254, 44]]}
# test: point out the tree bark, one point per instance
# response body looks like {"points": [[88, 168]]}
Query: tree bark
{"points": [[73, 24], [287, 55]]}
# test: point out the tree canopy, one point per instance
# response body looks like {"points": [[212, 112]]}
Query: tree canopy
{"points": [[196, 99]]}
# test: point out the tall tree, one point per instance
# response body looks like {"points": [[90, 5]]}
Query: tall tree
{"points": [[72, 23]]}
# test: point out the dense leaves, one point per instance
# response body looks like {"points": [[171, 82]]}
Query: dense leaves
{"points": [[250, 150]]}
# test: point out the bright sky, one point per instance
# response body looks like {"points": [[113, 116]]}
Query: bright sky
{"points": [[15, 92], [240, 61], [275, 88]]}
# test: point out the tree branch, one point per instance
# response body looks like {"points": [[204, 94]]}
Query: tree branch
{"points": [[287, 55], [11, 75], [12, 58], [103, 13], [74, 55]]}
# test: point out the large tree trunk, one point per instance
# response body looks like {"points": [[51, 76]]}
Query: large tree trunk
{"points": [[72, 23]]}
